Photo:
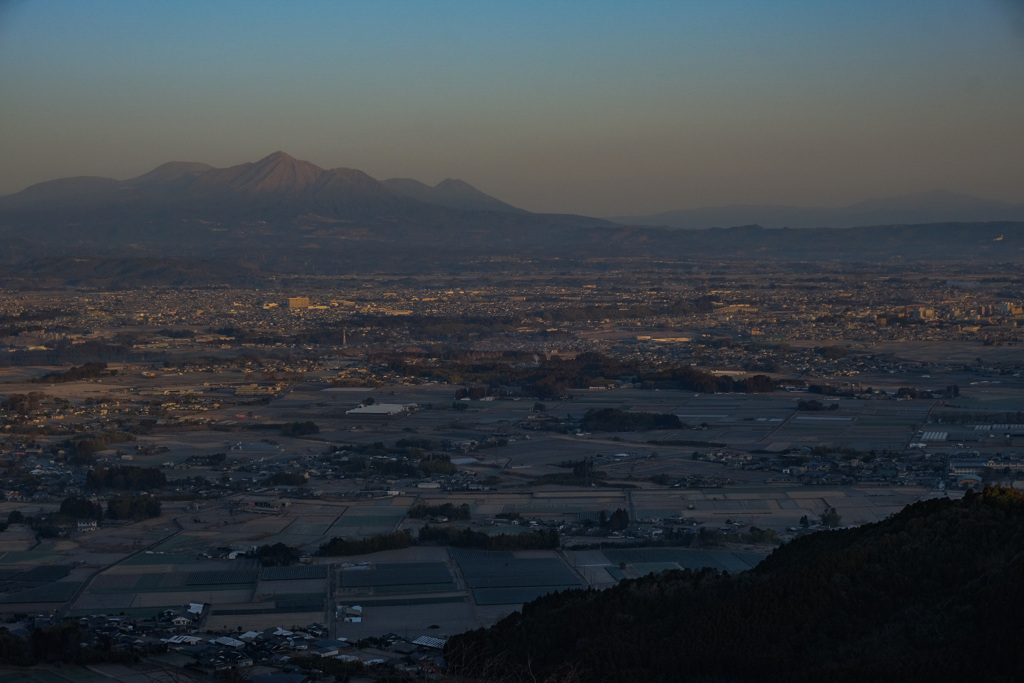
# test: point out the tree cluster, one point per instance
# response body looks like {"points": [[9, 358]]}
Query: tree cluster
{"points": [[285, 479], [276, 555], [613, 420], [465, 537], [81, 508], [454, 512], [60, 643], [125, 478], [76, 374], [555, 377], [126, 506], [340, 547], [300, 429]]}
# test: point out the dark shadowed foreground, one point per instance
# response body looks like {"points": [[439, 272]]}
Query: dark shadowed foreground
{"points": [[933, 593]]}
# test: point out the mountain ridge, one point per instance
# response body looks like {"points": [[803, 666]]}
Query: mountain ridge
{"points": [[278, 183], [283, 215], [282, 184]]}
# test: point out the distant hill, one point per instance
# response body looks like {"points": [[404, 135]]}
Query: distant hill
{"points": [[938, 206], [126, 272], [455, 194], [192, 223], [934, 593]]}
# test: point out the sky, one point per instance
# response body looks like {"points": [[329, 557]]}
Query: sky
{"points": [[593, 107]]}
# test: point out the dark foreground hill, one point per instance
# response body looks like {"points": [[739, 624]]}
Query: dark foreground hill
{"points": [[934, 593]]}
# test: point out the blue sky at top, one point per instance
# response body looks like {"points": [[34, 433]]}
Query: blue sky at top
{"points": [[588, 107]]}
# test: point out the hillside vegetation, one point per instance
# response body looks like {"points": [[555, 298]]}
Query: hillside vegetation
{"points": [[935, 592]]}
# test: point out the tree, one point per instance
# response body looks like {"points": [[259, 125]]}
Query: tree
{"points": [[277, 555], [125, 506], [81, 508], [830, 518], [619, 520], [300, 429]]}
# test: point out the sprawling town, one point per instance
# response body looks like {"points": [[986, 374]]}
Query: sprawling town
{"points": [[330, 477]]}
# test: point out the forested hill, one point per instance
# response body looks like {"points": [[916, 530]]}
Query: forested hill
{"points": [[934, 593]]}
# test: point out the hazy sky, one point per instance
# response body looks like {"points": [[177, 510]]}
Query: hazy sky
{"points": [[591, 107]]}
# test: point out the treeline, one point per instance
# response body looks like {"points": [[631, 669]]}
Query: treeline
{"points": [[61, 643], [813, 405], [65, 353], [436, 464], [421, 511], [125, 477], [304, 428], [276, 555], [81, 508], [613, 420], [554, 377], [126, 507], [340, 669], [75, 374], [378, 459], [689, 378], [932, 593], [285, 479], [26, 404], [584, 473], [958, 417], [81, 450], [456, 537], [616, 311], [948, 391], [422, 327], [121, 507], [340, 547]]}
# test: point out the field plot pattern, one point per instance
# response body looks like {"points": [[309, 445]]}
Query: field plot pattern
{"points": [[367, 521], [37, 584], [501, 578], [394, 578]]}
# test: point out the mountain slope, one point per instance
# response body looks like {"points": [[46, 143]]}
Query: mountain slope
{"points": [[277, 186], [933, 593], [73, 192], [455, 194]]}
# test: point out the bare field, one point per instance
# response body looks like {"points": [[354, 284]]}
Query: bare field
{"points": [[711, 473]]}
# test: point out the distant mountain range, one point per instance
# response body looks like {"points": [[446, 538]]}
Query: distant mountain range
{"points": [[938, 206], [276, 186], [186, 223]]}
